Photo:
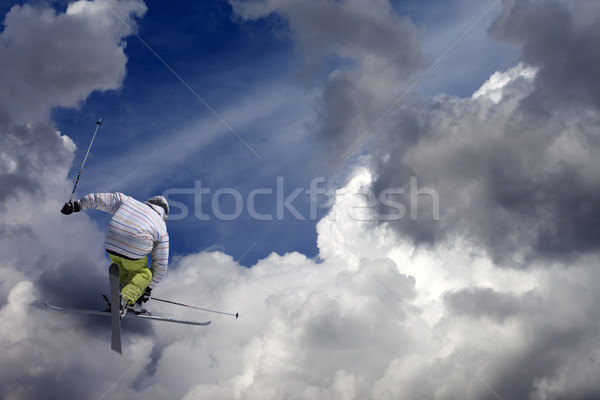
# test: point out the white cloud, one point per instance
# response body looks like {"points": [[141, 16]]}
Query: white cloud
{"points": [[50, 59], [13, 317], [335, 328], [341, 328], [512, 173], [494, 86]]}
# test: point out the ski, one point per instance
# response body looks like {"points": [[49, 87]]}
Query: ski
{"points": [[107, 313], [115, 298]]}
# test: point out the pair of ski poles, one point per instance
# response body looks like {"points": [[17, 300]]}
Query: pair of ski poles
{"points": [[98, 125]]}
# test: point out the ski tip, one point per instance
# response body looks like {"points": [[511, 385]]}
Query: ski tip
{"points": [[113, 269], [49, 305]]}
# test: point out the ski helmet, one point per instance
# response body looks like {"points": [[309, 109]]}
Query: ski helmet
{"points": [[162, 202]]}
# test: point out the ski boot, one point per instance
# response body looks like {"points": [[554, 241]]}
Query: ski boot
{"points": [[124, 306], [137, 308]]}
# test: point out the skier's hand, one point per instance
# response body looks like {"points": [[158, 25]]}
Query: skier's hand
{"points": [[146, 296], [70, 208]]}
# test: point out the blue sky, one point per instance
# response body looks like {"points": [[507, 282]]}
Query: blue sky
{"points": [[252, 75], [217, 57]]}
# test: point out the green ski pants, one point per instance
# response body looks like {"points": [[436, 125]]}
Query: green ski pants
{"points": [[134, 277]]}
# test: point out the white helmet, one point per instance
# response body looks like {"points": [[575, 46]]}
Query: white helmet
{"points": [[162, 202]]}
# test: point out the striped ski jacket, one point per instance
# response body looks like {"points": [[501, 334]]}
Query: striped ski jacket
{"points": [[135, 230]]}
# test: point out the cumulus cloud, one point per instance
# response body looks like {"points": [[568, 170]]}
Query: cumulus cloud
{"points": [[513, 164], [367, 50], [47, 60], [52, 59], [557, 38], [22, 162], [494, 87], [372, 317], [512, 167]]}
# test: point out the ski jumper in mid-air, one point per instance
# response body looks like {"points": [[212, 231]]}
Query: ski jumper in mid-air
{"points": [[135, 230]]}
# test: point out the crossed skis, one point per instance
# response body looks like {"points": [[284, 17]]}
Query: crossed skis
{"points": [[114, 312]]}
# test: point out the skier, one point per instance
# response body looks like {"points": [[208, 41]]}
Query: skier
{"points": [[135, 230]]}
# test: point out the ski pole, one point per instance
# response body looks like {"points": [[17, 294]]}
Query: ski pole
{"points": [[236, 315], [85, 158]]}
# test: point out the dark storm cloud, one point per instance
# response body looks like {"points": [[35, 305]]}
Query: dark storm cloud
{"points": [[484, 302], [515, 176], [50, 59], [366, 50], [562, 42], [547, 343]]}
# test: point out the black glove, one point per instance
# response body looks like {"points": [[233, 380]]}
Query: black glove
{"points": [[145, 297], [70, 208]]}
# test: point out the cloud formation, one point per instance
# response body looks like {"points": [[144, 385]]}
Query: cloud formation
{"points": [[513, 166], [48, 60], [373, 317], [51, 60], [514, 171], [368, 52]]}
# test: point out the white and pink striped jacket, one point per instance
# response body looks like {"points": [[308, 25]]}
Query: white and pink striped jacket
{"points": [[135, 230]]}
